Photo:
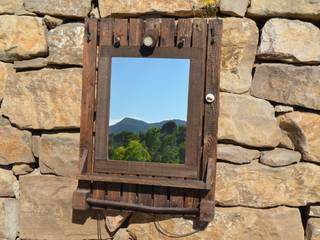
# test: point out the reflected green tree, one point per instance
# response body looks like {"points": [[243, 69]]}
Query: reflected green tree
{"points": [[137, 151], [165, 144]]}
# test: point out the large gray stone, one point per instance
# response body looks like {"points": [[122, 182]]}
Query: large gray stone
{"points": [[290, 41], [259, 186], [21, 169], [10, 6], [283, 108], [46, 211], [248, 121], [288, 84], [6, 72], [59, 154], [9, 185], [279, 157], [313, 229], [44, 99], [22, 37], [137, 7], [66, 44], [15, 146], [9, 218], [239, 46], [4, 121], [303, 9], [52, 22], [35, 145], [304, 130], [63, 8], [286, 141], [314, 211], [34, 63], [236, 154], [235, 9], [234, 223]]}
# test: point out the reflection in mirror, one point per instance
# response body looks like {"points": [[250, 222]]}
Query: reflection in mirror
{"points": [[148, 109]]}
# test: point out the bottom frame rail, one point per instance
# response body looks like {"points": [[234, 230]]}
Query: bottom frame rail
{"points": [[141, 208]]}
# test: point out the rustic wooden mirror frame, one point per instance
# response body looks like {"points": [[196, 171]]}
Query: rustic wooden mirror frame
{"points": [[182, 188]]}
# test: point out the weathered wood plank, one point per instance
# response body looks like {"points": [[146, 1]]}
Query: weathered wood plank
{"points": [[211, 115], [199, 40], [184, 36], [212, 86], [167, 39], [145, 192], [105, 30], [120, 30], [129, 191], [136, 28], [88, 94]]}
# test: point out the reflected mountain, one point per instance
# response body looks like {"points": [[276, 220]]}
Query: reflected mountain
{"points": [[134, 125]]}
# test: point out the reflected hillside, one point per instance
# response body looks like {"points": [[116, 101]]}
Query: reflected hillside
{"points": [[136, 140]]}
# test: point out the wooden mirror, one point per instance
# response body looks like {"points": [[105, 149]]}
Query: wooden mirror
{"points": [[150, 100]]}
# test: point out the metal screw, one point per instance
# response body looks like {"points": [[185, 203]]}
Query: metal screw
{"points": [[210, 98]]}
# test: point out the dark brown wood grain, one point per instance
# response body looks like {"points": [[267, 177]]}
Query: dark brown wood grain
{"points": [[145, 192], [79, 199], [167, 32], [212, 110], [136, 27], [120, 30], [129, 191], [184, 36], [105, 27], [167, 39], [123, 178], [199, 40], [88, 94]]}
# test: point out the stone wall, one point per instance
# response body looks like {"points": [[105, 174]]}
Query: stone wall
{"points": [[268, 179]]}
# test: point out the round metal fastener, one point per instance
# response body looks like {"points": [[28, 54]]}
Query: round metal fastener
{"points": [[210, 98], [148, 41]]}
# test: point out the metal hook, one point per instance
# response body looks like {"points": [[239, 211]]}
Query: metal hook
{"points": [[182, 41], [88, 33], [116, 40], [213, 37]]}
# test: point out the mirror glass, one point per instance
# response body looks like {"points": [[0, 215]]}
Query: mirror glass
{"points": [[148, 109]]}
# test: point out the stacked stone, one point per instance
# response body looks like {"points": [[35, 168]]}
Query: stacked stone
{"points": [[269, 124]]}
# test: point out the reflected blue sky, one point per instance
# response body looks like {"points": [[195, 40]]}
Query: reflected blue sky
{"points": [[149, 89]]}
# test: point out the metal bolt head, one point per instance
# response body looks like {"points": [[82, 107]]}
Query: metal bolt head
{"points": [[148, 41], [210, 98]]}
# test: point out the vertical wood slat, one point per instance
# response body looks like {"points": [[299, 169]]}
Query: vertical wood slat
{"points": [[106, 25], [167, 39], [145, 193], [185, 31], [120, 29], [129, 191], [199, 40], [88, 93], [184, 36], [212, 111], [88, 97]]}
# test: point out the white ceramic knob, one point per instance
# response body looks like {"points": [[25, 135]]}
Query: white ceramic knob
{"points": [[210, 98]]}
